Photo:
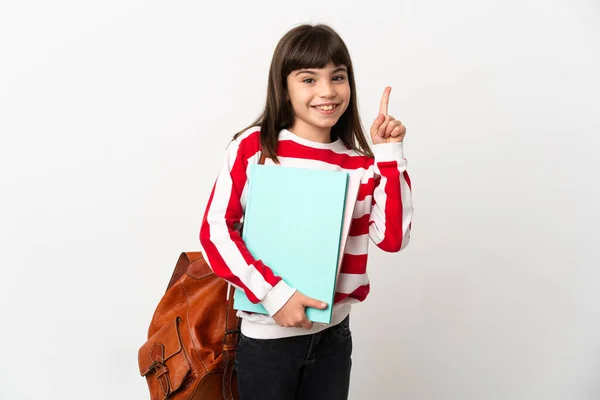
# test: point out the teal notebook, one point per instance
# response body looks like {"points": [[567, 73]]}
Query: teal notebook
{"points": [[293, 223]]}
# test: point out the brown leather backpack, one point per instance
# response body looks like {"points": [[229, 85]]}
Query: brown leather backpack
{"points": [[192, 337]]}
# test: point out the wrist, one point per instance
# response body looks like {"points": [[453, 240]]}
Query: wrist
{"points": [[277, 297]]}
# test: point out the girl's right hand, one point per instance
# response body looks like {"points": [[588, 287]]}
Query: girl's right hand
{"points": [[293, 313]]}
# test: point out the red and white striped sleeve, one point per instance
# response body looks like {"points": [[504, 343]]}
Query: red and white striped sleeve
{"points": [[224, 250], [392, 208]]}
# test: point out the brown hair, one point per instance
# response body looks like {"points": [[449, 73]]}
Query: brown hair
{"points": [[307, 46]]}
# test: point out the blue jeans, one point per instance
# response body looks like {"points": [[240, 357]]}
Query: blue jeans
{"points": [[310, 367]]}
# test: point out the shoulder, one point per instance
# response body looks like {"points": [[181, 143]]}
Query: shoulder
{"points": [[248, 140], [248, 136], [245, 146], [358, 158]]}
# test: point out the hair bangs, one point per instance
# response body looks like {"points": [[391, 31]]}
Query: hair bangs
{"points": [[315, 49]]}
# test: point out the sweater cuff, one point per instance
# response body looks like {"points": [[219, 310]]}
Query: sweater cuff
{"points": [[389, 151], [277, 297]]}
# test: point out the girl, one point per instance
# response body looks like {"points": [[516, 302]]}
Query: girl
{"points": [[310, 120]]}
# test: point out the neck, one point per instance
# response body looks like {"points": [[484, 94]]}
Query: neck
{"points": [[309, 132]]}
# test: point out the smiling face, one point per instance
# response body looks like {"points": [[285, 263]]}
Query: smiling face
{"points": [[319, 97]]}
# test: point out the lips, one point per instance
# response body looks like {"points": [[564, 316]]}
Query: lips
{"points": [[326, 107]]}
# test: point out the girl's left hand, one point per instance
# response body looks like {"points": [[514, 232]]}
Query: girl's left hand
{"points": [[385, 128]]}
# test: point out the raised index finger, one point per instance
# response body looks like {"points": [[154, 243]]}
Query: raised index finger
{"points": [[385, 99]]}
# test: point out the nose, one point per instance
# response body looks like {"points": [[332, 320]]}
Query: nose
{"points": [[327, 89]]}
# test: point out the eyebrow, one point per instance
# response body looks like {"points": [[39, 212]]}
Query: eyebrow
{"points": [[306, 71]]}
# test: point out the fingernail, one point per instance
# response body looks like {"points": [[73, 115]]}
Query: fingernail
{"points": [[323, 304]]}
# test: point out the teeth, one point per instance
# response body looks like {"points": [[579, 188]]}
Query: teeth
{"points": [[327, 108]]}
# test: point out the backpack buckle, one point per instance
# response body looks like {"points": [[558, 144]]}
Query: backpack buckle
{"points": [[228, 334]]}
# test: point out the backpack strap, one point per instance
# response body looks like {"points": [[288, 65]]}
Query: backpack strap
{"points": [[230, 340]]}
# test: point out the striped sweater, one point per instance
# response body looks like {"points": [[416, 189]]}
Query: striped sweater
{"points": [[383, 213]]}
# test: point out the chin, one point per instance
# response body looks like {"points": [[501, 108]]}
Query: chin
{"points": [[325, 124]]}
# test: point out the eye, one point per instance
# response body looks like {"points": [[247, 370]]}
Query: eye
{"points": [[308, 79], [339, 78]]}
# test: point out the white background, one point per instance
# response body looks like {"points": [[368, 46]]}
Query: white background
{"points": [[114, 119]]}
